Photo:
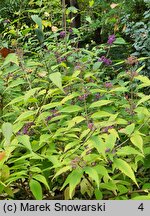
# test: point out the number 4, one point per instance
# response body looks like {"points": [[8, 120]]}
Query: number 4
{"points": [[141, 207]]}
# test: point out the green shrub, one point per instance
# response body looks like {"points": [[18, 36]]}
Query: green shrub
{"points": [[70, 130]]}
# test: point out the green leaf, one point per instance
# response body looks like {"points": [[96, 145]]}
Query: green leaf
{"points": [[25, 140], [92, 173], [57, 80], [50, 105], [74, 121], [144, 79], [73, 180], [62, 170], [25, 115], [125, 168], [15, 83], [109, 186], [101, 170], [45, 138], [30, 93], [41, 179], [37, 20], [40, 35], [71, 109], [98, 143], [142, 197], [15, 100], [71, 9], [137, 141], [128, 130], [71, 145], [96, 65], [98, 194], [100, 114], [110, 141], [91, 3], [7, 130], [9, 191], [119, 41], [88, 19], [119, 89], [69, 97], [143, 99], [100, 103], [5, 172], [36, 189], [128, 150], [85, 187], [11, 58], [140, 68]]}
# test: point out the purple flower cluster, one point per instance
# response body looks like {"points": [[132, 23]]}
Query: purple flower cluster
{"points": [[74, 162], [62, 34], [70, 30], [26, 129], [105, 129], [83, 97], [61, 59], [108, 85], [105, 60], [111, 39], [54, 114], [91, 126]]}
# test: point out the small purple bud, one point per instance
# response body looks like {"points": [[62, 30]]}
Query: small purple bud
{"points": [[48, 118], [107, 150], [111, 39], [25, 130], [70, 30], [108, 85], [62, 34], [91, 126], [97, 96], [105, 60]]}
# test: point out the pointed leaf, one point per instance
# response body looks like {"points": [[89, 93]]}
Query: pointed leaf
{"points": [[119, 41], [41, 179], [62, 170], [73, 180], [36, 189], [128, 150], [92, 173], [97, 65], [137, 141], [110, 141], [143, 99], [30, 93], [37, 20], [100, 114], [50, 105], [98, 143], [40, 35], [100, 103], [11, 58], [57, 80], [25, 115], [71, 109], [142, 197], [25, 140], [7, 130], [125, 168]]}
